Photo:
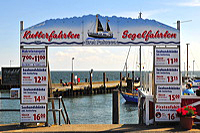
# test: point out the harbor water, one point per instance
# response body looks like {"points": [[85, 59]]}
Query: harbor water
{"points": [[94, 109]]}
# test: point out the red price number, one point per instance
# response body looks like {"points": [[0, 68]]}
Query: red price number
{"points": [[39, 116], [39, 79], [174, 97], [171, 116], [36, 58], [39, 98], [172, 78], [172, 60]]}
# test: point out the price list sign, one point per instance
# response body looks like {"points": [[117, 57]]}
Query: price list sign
{"points": [[168, 93], [167, 57], [167, 75], [34, 85], [33, 57], [166, 112], [34, 75], [33, 112], [34, 94]]}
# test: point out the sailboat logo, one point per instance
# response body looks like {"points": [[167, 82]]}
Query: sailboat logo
{"points": [[100, 33]]}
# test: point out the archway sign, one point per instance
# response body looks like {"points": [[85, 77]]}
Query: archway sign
{"points": [[96, 30]]}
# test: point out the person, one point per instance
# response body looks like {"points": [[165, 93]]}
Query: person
{"points": [[188, 90]]}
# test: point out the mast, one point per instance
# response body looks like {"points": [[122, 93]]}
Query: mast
{"points": [[96, 23]]}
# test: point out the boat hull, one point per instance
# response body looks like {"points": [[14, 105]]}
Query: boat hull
{"points": [[129, 97], [95, 35]]}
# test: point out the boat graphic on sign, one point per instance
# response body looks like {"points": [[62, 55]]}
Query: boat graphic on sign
{"points": [[100, 33]]}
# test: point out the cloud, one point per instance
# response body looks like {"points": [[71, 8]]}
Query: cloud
{"points": [[192, 3]]}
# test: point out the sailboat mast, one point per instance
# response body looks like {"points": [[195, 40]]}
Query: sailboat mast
{"points": [[96, 23]]}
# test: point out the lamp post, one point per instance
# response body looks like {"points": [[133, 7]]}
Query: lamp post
{"points": [[10, 62], [72, 64], [187, 60], [193, 67]]}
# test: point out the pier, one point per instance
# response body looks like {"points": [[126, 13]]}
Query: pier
{"points": [[97, 128], [85, 89]]}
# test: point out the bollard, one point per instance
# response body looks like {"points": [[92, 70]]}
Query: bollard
{"points": [[116, 107]]}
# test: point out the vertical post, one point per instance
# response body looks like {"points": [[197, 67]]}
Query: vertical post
{"points": [[140, 68], [120, 81], [187, 61], [59, 108], [21, 25], [153, 79], [91, 74], [193, 67], [104, 81], [72, 64], [133, 81], [116, 107], [72, 83]]}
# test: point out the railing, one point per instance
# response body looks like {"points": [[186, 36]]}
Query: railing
{"points": [[60, 100], [66, 119]]}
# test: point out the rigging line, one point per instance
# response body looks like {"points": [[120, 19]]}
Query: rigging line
{"points": [[194, 59], [127, 58]]}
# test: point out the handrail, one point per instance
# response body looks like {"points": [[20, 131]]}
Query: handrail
{"points": [[60, 109]]}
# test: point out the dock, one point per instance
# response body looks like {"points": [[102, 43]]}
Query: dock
{"points": [[98, 128], [85, 89]]}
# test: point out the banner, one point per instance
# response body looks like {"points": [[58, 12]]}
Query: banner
{"points": [[34, 94], [34, 75], [96, 30], [33, 113]]}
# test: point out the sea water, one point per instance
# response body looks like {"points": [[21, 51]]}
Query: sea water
{"points": [[94, 109]]}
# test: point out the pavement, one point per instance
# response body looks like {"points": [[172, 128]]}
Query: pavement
{"points": [[97, 128]]}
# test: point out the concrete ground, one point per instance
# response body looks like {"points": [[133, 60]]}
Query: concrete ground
{"points": [[97, 128]]}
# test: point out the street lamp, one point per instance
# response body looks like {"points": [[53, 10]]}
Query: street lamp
{"points": [[72, 64], [10, 62]]}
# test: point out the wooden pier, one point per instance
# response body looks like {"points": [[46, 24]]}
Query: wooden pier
{"points": [[85, 88]]}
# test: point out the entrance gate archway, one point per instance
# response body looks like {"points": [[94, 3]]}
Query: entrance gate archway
{"points": [[96, 30]]}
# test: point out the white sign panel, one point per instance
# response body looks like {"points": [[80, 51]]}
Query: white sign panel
{"points": [[166, 112], [167, 57], [34, 75], [33, 57], [34, 94], [90, 30], [168, 93], [33, 113], [167, 75]]}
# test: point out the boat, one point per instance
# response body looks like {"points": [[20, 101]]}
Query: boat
{"points": [[100, 33], [131, 94]]}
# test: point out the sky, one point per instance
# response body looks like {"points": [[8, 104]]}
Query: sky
{"points": [[98, 58]]}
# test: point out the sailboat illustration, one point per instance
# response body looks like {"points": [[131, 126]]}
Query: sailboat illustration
{"points": [[100, 33]]}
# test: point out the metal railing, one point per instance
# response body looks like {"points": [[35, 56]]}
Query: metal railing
{"points": [[60, 100]]}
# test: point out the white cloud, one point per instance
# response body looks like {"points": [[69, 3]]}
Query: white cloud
{"points": [[191, 3]]}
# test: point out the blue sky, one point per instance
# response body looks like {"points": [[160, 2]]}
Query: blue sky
{"points": [[98, 58]]}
